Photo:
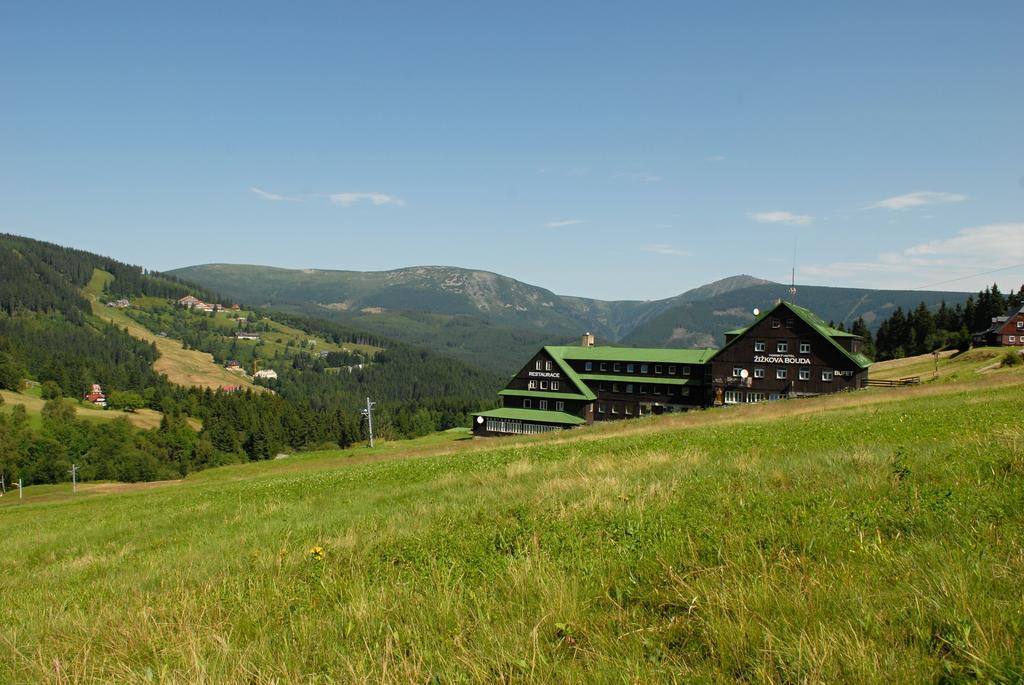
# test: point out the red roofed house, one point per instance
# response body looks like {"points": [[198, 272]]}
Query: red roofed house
{"points": [[95, 396]]}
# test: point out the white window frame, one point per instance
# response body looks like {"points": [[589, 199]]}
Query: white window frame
{"points": [[559, 405], [542, 404], [804, 375], [1013, 338], [736, 371], [805, 348], [527, 403], [539, 365], [686, 370], [615, 408], [657, 368], [732, 397], [630, 368], [759, 346], [629, 388], [1020, 325], [758, 372], [589, 366], [781, 374], [547, 366], [628, 409], [782, 347], [531, 385], [604, 366], [601, 407], [671, 370], [616, 366], [776, 323], [554, 385], [643, 368], [827, 375], [543, 385]]}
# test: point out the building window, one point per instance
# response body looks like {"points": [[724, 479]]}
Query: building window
{"points": [[685, 392], [554, 385], [657, 368], [589, 366], [789, 323], [736, 371], [1020, 325], [733, 396], [601, 387], [542, 404], [776, 323], [629, 387], [780, 374], [616, 367], [805, 348], [527, 403], [643, 389], [782, 346], [559, 406], [772, 396], [629, 368], [547, 366], [615, 408], [543, 385], [671, 370], [755, 397], [604, 366], [615, 387], [600, 407], [540, 365], [826, 375], [629, 410], [758, 372], [805, 374], [670, 390], [1013, 338], [759, 346], [643, 368], [686, 370], [531, 385], [657, 389]]}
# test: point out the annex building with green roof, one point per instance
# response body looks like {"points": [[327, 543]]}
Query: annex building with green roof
{"points": [[563, 386]]}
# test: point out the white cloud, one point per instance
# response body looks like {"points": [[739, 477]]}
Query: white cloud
{"points": [[924, 197], [273, 196], [665, 249], [779, 217], [564, 222], [349, 199], [971, 251]]}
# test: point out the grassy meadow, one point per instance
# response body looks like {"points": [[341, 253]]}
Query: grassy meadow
{"points": [[871, 537]]}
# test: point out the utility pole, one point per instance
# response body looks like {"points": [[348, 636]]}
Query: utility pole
{"points": [[74, 478], [368, 413], [20, 495]]}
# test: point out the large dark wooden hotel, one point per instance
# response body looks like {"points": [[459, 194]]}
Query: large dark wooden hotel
{"points": [[786, 352]]}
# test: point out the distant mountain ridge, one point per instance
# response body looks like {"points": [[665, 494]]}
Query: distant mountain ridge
{"points": [[494, 320]]}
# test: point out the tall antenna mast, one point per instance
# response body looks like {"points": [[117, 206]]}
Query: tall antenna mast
{"points": [[792, 282]]}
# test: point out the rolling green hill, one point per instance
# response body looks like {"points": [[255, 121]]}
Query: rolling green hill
{"points": [[497, 322], [868, 537]]}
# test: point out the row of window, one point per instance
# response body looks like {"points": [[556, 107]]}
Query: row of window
{"points": [[781, 346], [517, 427], [659, 369], [783, 374], [642, 389], [1013, 338], [543, 365], [544, 385], [777, 323], [543, 404], [736, 396], [615, 409]]}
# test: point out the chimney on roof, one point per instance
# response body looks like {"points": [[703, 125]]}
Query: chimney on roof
{"points": [[587, 340]]}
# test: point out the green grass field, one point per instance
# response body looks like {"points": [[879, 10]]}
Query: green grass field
{"points": [[870, 537]]}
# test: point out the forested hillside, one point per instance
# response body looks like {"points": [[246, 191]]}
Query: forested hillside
{"points": [[49, 337]]}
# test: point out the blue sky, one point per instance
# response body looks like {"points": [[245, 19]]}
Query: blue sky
{"points": [[613, 150]]}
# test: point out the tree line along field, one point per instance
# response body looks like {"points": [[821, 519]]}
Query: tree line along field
{"points": [[871, 537]]}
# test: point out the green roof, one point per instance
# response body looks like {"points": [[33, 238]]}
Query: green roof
{"points": [[555, 353], [815, 322], [543, 394], [639, 379], [632, 354], [533, 415]]}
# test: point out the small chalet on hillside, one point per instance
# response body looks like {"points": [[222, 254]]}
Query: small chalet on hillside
{"points": [[1005, 330], [95, 396], [786, 352]]}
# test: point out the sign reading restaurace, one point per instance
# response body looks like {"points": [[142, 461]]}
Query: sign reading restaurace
{"points": [[545, 374], [779, 359]]}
